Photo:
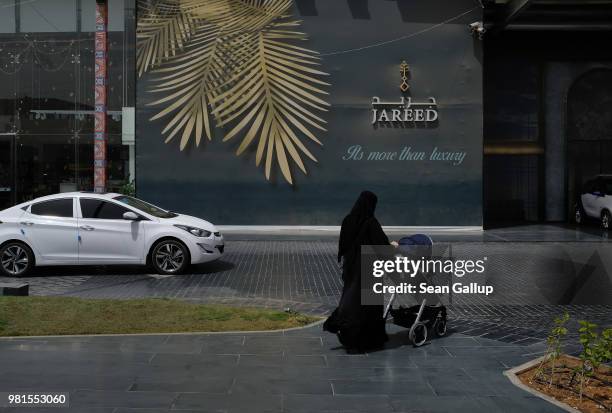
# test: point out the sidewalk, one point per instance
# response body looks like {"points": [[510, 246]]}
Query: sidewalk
{"points": [[306, 370], [295, 371]]}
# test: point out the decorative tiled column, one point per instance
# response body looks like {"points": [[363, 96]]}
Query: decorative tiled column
{"points": [[101, 46]]}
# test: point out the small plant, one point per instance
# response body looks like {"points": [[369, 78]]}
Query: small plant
{"points": [[554, 348], [589, 339], [128, 188], [602, 349]]}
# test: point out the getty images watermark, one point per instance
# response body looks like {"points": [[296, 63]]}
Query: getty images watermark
{"points": [[489, 273], [420, 271], [403, 267]]}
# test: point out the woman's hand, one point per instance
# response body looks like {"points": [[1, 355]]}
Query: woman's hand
{"points": [[394, 243]]}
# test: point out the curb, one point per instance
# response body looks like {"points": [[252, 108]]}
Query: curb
{"points": [[192, 333], [513, 373]]}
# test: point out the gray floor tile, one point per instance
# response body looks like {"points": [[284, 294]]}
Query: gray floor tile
{"points": [[304, 385], [163, 348], [127, 410], [344, 361], [450, 386], [213, 385], [280, 360], [50, 380], [353, 403], [330, 373], [143, 400], [229, 403], [413, 387], [196, 361], [438, 404], [521, 404]]}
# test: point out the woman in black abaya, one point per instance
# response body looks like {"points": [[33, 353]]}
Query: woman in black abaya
{"points": [[359, 327]]}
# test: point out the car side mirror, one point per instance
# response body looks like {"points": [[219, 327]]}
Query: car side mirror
{"points": [[130, 216], [598, 193]]}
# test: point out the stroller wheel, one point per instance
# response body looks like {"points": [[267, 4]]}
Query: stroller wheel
{"points": [[440, 328], [418, 334]]}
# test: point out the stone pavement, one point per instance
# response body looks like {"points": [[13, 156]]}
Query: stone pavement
{"points": [[304, 275], [293, 371], [306, 370]]}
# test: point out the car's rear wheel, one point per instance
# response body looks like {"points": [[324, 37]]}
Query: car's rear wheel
{"points": [[16, 259], [170, 256], [606, 219], [578, 214]]}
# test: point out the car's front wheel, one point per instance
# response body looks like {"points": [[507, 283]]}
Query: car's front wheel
{"points": [[16, 259], [606, 219], [170, 257]]}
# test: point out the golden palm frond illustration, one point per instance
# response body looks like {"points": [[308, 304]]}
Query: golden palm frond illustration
{"points": [[162, 30], [281, 91], [237, 64]]}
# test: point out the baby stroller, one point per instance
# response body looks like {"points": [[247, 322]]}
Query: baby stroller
{"points": [[421, 319]]}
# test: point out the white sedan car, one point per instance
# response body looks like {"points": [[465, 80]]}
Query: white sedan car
{"points": [[83, 228], [596, 201]]}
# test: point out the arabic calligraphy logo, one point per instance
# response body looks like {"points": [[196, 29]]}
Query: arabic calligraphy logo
{"points": [[405, 112], [404, 70]]}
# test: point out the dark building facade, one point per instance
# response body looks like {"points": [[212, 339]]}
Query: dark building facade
{"points": [[422, 156], [547, 95], [456, 113]]}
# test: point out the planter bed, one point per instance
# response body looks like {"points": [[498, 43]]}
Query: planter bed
{"points": [[563, 392]]}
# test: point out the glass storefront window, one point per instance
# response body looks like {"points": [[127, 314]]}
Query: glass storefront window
{"points": [[7, 16], [47, 97], [48, 16]]}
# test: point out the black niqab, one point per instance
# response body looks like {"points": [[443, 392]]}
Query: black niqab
{"points": [[351, 225], [358, 326]]}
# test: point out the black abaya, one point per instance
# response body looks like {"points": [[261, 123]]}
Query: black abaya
{"points": [[358, 326]]}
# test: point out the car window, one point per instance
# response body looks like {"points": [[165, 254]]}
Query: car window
{"points": [[145, 206], [54, 208], [98, 209]]}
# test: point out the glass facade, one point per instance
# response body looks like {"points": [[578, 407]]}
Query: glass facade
{"points": [[512, 138], [47, 96]]}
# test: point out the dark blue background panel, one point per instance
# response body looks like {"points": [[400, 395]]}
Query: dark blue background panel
{"points": [[445, 63]]}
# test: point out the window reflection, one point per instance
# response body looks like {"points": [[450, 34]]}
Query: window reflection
{"points": [[48, 16]]}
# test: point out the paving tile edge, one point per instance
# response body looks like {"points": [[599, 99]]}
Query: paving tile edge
{"points": [[512, 375], [192, 333]]}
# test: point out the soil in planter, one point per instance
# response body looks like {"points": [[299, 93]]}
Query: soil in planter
{"points": [[597, 389]]}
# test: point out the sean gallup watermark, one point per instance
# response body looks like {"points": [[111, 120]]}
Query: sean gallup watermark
{"points": [[423, 271], [400, 268]]}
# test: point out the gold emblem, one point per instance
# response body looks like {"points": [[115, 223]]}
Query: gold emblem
{"points": [[236, 65], [404, 70]]}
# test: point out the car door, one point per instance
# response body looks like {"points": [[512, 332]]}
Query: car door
{"points": [[51, 228], [589, 197], [105, 237], [601, 199]]}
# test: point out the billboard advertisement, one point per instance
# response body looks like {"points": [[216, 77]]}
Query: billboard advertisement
{"points": [[281, 112]]}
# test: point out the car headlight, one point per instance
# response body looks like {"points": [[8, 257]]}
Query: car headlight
{"points": [[202, 233]]}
